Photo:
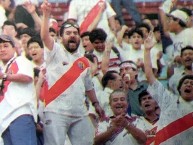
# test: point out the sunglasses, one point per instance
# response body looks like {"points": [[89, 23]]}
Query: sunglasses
{"points": [[67, 25], [172, 18]]}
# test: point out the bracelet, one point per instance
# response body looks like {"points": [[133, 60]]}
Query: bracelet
{"points": [[93, 103]]}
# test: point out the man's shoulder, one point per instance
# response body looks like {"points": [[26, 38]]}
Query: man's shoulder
{"points": [[22, 58]]}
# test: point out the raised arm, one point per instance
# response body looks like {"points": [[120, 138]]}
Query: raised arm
{"points": [[94, 24], [148, 44], [31, 8], [164, 9], [106, 57], [121, 33], [47, 39]]}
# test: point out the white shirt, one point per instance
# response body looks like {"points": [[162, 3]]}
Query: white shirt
{"points": [[104, 101], [181, 40], [72, 101], [123, 138], [149, 128], [135, 55], [78, 10], [113, 62], [3, 17], [19, 98], [170, 112], [174, 81]]}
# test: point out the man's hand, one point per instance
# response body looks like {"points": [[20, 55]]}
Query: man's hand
{"points": [[46, 7], [150, 41], [99, 111], [178, 59], [120, 121], [102, 5], [29, 7]]}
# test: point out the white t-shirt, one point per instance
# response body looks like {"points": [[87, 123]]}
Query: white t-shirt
{"points": [[3, 17], [104, 101], [78, 10], [183, 39], [170, 112], [72, 101], [136, 55], [174, 81], [122, 138], [149, 128], [124, 50], [19, 98], [113, 63]]}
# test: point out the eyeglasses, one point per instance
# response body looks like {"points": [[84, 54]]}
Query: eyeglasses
{"points": [[68, 24], [172, 18]]}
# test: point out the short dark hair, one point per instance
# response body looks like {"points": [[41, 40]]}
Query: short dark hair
{"points": [[108, 76], [182, 80], [135, 30], [144, 25], [9, 23], [187, 11], [84, 34], [118, 19], [186, 48], [182, 24], [97, 34], [36, 39], [29, 31], [52, 30], [157, 28], [141, 94]]}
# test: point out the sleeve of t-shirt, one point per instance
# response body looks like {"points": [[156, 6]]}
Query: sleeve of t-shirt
{"points": [[72, 13], [162, 95], [25, 66], [88, 80], [49, 54], [109, 10]]}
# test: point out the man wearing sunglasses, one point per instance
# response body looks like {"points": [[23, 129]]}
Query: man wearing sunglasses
{"points": [[68, 78], [175, 26]]}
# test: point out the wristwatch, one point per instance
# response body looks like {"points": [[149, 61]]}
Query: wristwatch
{"points": [[96, 102]]}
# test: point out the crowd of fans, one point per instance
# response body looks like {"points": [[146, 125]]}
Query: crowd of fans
{"points": [[94, 80]]}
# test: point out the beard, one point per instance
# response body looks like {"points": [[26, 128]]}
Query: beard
{"points": [[71, 46]]}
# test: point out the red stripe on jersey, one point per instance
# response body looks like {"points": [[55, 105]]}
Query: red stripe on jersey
{"points": [[13, 69], [174, 128], [66, 80], [91, 16]]}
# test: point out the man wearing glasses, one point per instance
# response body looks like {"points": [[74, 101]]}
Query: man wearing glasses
{"points": [[68, 78], [175, 25]]}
